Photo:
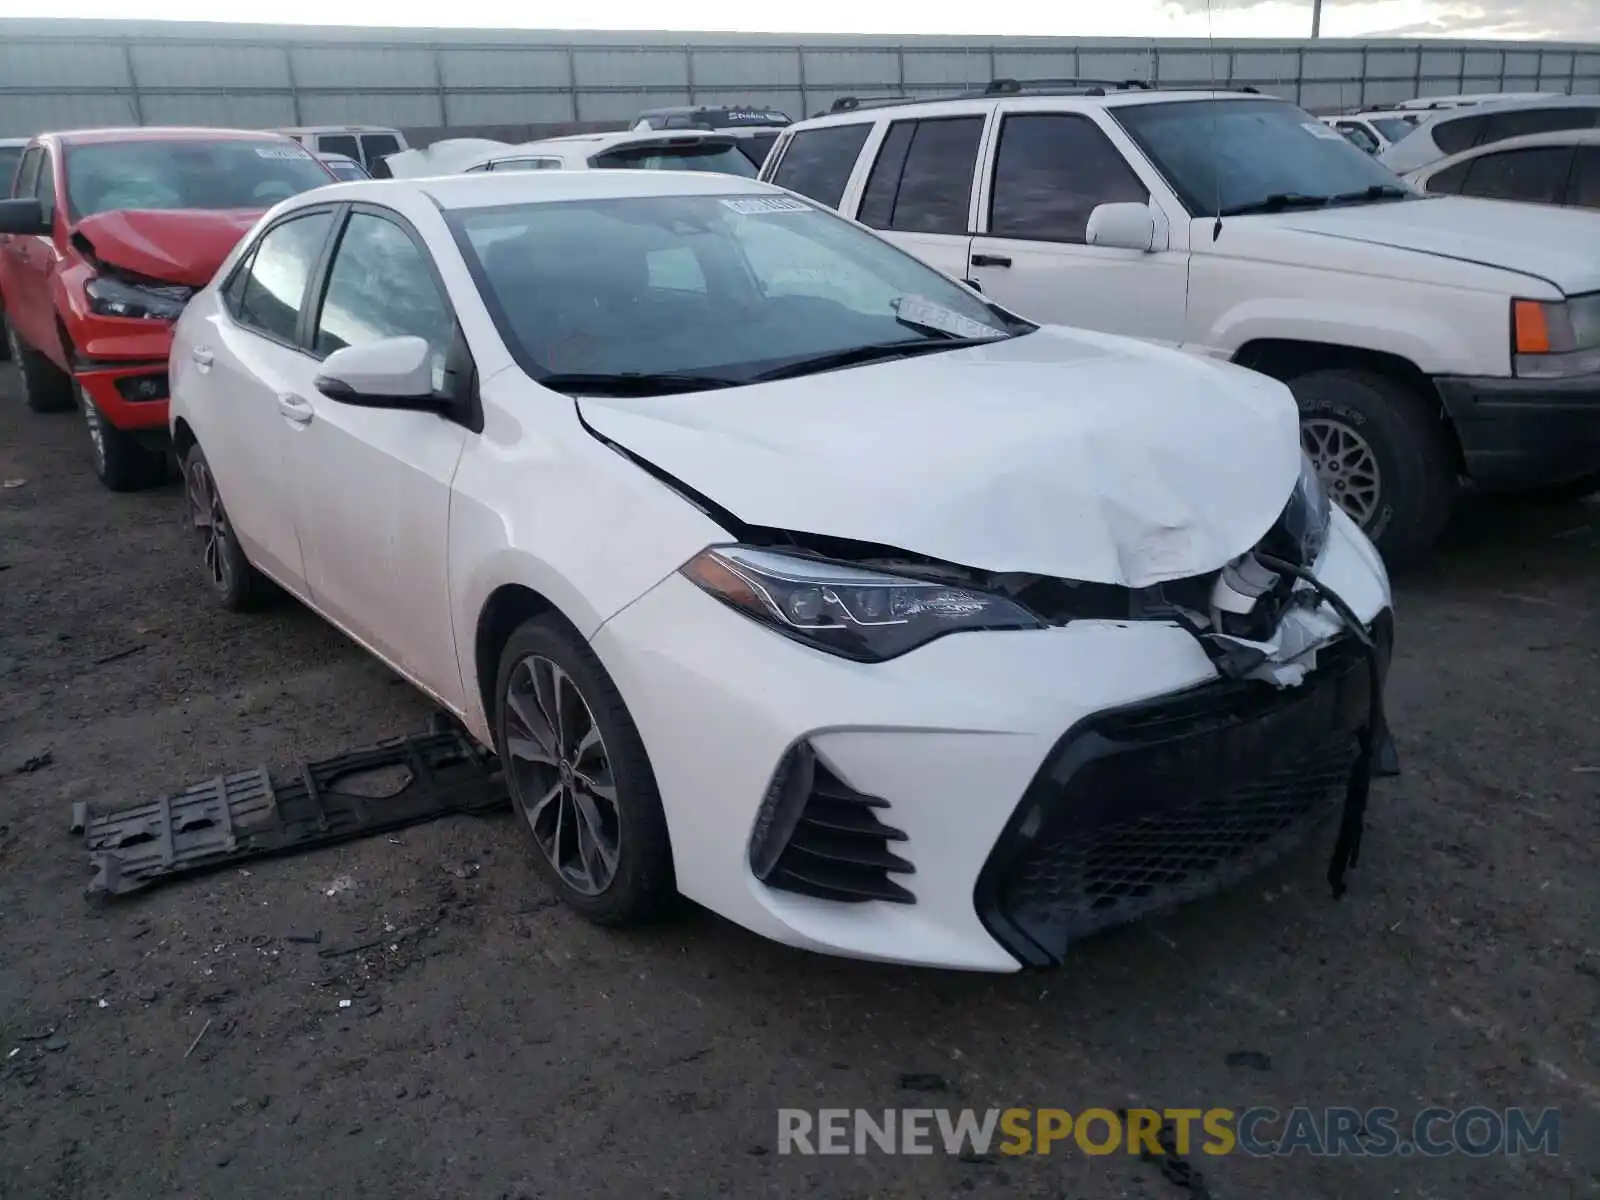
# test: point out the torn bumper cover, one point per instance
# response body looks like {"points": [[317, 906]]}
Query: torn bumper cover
{"points": [[1142, 808], [251, 814]]}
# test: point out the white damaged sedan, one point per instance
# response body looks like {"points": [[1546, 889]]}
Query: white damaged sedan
{"points": [[781, 571]]}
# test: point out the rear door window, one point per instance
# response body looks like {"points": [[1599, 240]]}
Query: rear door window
{"points": [[1051, 171], [818, 162], [339, 143], [1538, 173], [1500, 126], [377, 145], [272, 295], [922, 181], [1585, 191]]}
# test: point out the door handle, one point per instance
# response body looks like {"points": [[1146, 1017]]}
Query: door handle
{"points": [[990, 260], [202, 357], [296, 408]]}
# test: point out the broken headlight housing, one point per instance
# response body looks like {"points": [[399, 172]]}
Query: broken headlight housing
{"points": [[111, 297], [1301, 532], [868, 616]]}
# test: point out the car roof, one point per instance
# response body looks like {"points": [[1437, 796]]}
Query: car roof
{"points": [[934, 104], [491, 189], [162, 133], [338, 129], [1466, 112], [605, 141]]}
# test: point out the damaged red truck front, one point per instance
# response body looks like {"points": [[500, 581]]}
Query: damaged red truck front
{"points": [[105, 236]]}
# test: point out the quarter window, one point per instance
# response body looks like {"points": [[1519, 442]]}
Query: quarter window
{"points": [[45, 188], [381, 286], [1460, 134], [27, 173], [1537, 174], [273, 288], [1451, 180], [1051, 172], [818, 162], [922, 181]]}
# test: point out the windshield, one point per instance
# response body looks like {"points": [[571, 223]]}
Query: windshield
{"points": [[725, 286], [105, 176], [1393, 128], [721, 157], [1245, 151], [10, 156]]}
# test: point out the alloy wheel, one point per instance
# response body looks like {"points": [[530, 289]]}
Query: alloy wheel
{"points": [[210, 522], [560, 775], [1346, 464]]}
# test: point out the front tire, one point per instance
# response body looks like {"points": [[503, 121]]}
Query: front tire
{"points": [[235, 583], [579, 775], [121, 461], [1382, 456], [45, 386]]}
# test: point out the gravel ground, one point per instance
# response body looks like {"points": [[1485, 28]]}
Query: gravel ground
{"points": [[496, 1046]]}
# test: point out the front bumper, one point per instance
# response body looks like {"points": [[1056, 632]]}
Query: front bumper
{"points": [[950, 740], [121, 364], [1525, 432]]}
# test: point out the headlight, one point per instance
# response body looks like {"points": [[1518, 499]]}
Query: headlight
{"points": [[1301, 533], [152, 302], [864, 615], [1555, 339]]}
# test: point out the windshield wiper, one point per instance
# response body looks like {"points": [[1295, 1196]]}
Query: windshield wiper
{"points": [[1378, 191], [634, 383], [1277, 202], [857, 356]]}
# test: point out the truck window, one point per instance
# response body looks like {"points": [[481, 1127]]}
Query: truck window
{"points": [[1052, 170], [339, 143], [377, 145], [922, 181], [818, 162]]}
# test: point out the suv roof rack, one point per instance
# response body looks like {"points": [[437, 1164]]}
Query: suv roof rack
{"points": [[1015, 87]]}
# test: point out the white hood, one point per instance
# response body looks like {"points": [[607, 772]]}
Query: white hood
{"points": [[1061, 453], [1559, 245]]}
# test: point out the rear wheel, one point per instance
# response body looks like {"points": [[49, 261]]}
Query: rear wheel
{"points": [[237, 584], [1382, 456], [121, 461], [45, 386], [578, 773]]}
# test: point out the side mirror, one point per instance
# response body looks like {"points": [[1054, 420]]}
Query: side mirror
{"points": [[25, 216], [1125, 226], [392, 372]]}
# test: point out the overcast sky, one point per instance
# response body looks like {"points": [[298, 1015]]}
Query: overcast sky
{"points": [[1575, 20]]}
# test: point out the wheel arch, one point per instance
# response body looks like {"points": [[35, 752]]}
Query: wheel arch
{"points": [[1286, 358], [505, 608]]}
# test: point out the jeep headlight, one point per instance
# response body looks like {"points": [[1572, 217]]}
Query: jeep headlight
{"points": [[1556, 339]]}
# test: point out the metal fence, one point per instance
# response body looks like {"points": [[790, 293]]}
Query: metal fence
{"points": [[68, 74]]}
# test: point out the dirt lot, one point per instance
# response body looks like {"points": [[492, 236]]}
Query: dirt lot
{"points": [[497, 1047]]}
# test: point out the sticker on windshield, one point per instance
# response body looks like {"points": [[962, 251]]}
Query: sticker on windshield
{"points": [[1318, 129], [766, 204], [280, 152], [920, 311]]}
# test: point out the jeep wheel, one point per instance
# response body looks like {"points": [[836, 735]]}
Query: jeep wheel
{"points": [[1381, 455], [121, 461]]}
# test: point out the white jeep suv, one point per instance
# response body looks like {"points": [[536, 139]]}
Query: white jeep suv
{"points": [[1427, 339]]}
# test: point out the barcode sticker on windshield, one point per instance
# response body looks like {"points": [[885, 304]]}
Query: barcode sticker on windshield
{"points": [[1318, 129], [280, 152], [766, 204]]}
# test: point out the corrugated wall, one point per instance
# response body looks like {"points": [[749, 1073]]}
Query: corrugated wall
{"points": [[63, 74]]}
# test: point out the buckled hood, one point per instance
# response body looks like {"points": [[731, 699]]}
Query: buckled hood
{"points": [[1061, 453]]}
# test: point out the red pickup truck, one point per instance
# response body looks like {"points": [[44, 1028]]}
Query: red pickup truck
{"points": [[105, 236]]}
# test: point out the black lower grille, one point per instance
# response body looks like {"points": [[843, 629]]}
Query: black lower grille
{"points": [[1146, 807], [818, 836]]}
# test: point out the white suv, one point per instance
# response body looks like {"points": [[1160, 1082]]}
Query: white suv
{"points": [[1426, 339]]}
